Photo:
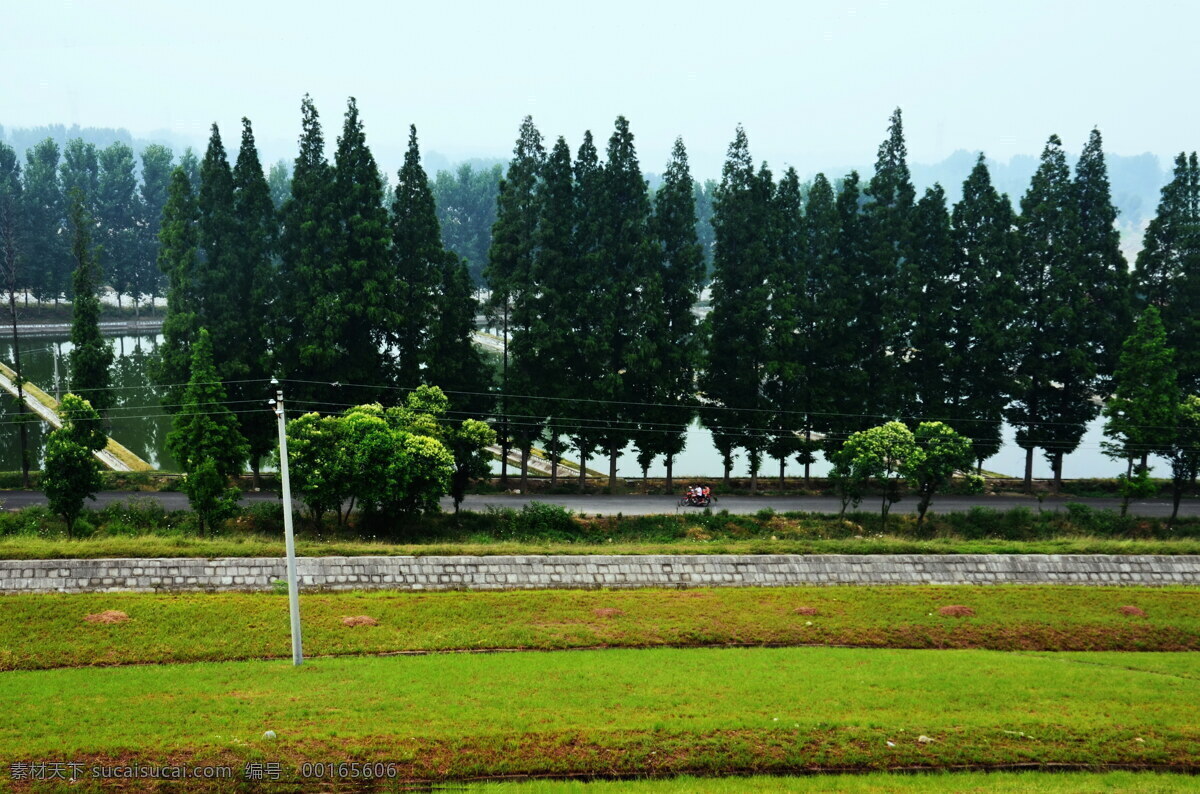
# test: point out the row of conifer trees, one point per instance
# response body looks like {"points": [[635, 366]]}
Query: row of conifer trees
{"points": [[835, 305]]}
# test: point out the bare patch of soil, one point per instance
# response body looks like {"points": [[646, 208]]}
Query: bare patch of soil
{"points": [[1131, 611], [107, 616], [956, 611], [607, 612], [806, 610], [359, 620]]}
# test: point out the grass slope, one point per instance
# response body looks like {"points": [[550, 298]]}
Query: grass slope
{"points": [[649, 712], [45, 631]]}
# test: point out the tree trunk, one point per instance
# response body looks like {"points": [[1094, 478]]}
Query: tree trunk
{"points": [[553, 470], [1029, 470], [612, 471], [782, 464], [728, 463], [1058, 461], [670, 482], [582, 470], [255, 469], [525, 470], [504, 463], [1176, 495]]}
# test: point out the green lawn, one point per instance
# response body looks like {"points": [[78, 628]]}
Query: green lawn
{"points": [[26, 547], [660, 712], [42, 631]]}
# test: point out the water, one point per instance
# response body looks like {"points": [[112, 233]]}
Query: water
{"points": [[140, 423], [138, 419]]}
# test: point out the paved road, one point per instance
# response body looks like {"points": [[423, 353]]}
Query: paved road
{"points": [[647, 505]]}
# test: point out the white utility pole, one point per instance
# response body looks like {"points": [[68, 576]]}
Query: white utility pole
{"points": [[288, 536]]}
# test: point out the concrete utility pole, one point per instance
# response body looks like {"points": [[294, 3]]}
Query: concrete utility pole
{"points": [[288, 535]]}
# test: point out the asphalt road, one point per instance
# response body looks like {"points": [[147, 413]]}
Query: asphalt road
{"points": [[648, 505]]}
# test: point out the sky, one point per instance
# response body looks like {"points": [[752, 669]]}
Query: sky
{"points": [[813, 83]]}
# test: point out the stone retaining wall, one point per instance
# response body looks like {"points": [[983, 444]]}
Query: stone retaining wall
{"points": [[583, 572]]}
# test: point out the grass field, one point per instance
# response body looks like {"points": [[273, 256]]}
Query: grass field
{"points": [[44, 631], [660, 712], [151, 545]]}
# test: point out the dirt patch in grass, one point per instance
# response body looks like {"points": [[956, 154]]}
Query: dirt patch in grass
{"points": [[1132, 611], [956, 611], [608, 612], [806, 610], [107, 616], [359, 620]]}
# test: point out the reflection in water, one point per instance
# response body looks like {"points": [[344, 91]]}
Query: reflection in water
{"points": [[137, 420], [140, 423]]}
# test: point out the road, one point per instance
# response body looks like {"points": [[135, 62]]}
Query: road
{"points": [[647, 505]]}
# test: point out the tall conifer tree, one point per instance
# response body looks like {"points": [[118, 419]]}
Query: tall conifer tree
{"points": [[831, 298], [1167, 274], [736, 329], [417, 258], [252, 284], [789, 364], [1106, 312], [930, 366], [362, 277], [308, 342], [510, 260], [681, 272], [546, 354], [986, 309], [179, 239], [1056, 367], [588, 366], [91, 356], [627, 262], [886, 309], [217, 270]]}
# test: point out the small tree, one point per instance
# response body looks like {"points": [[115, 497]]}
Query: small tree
{"points": [[72, 473], [846, 480], [468, 444], [938, 453], [319, 467], [880, 453], [81, 423], [388, 462], [1184, 451], [205, 440], [209, 494]]}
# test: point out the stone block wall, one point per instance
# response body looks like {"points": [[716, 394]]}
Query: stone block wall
{"points": [[584, 572]]}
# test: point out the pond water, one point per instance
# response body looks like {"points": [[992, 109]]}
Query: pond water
{"points": [[138, 420], [141, 424]]}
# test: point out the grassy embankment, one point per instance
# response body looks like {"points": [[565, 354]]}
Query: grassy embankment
{"points": [[623, 712], [47, 631], [142, 528]]}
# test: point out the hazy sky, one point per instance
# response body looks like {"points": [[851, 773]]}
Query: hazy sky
{"points": [[813, 83]]}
